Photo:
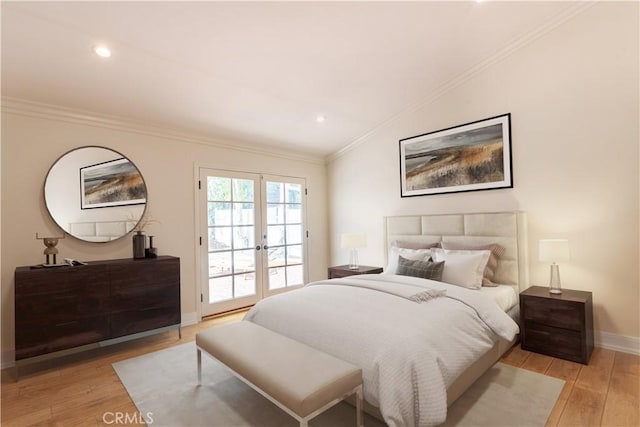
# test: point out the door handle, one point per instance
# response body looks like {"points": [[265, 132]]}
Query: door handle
{"points": [[266, 247], [258, 248]]}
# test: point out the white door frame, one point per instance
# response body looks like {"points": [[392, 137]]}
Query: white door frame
{"points": [[199, 266]]}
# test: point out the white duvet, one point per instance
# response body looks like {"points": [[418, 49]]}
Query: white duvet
{"points": [[409, 352]]}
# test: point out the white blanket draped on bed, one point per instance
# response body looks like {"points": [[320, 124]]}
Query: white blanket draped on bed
{"points": [[409, 351]]}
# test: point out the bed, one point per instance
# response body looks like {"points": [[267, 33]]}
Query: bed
{"points": [[421, 343]]}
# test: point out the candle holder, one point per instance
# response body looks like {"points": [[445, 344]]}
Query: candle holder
{"points": [[151, 251]]}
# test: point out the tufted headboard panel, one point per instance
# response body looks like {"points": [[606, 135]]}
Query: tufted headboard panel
{"points": [[101, 231], [508, 229]]}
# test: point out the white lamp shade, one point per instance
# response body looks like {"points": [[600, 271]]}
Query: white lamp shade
{"points": [[553, 250], [353, 240]]}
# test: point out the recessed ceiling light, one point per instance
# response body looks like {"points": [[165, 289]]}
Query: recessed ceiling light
{"points": [[320, 118], [102, 51]]}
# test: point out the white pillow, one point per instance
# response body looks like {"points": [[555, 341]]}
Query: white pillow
{"points": [[412, 254], [462, 267]]}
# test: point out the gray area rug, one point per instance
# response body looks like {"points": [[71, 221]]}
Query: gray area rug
{"points": [[163, 385]]}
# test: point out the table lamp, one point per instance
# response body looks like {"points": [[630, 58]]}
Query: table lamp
{"points": [[353, 241], [554, 250]]}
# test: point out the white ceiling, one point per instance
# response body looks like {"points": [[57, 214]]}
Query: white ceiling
{"points": [[256, 72]]}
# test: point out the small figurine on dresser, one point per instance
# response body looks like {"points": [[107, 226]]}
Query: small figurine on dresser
{"points": [[50, 243]]}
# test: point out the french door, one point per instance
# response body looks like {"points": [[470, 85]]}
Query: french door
{"points": [[253, 237]]}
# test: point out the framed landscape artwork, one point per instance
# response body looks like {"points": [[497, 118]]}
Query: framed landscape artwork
{"points": [[470, 157], [113, 183]]}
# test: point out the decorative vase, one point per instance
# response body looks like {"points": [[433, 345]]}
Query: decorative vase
{"points": [[151, 252], [139, 243]]}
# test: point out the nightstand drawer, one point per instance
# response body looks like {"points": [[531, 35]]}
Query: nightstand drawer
{"points": [[557, 342], [561, 314], [344, 271], [341, 273]]}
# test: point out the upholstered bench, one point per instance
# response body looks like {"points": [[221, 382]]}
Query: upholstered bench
{"points": [[301, 380]]}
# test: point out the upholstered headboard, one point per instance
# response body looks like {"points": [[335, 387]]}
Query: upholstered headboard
{"points": [[508, 229], [100, 231]]}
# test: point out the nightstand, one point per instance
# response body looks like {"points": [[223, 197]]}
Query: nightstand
{"points": [[344, 271], [557, 325]]}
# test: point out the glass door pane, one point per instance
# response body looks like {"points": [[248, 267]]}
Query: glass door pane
{"points": [[253, 238], [284, 230], [232, 261]]}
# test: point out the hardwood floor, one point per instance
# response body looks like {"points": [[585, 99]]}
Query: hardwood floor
{"points": [[84, 390], [604, 393]]}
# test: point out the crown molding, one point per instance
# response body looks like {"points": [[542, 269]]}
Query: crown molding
{"points": [[514, 46], [23, 107]]}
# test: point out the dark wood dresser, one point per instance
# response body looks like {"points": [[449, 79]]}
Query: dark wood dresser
{"points": [[344, 271], [557, 325], [59, 308]]}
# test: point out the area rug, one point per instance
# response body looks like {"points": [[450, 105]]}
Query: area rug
{"points": [[163, 387]]}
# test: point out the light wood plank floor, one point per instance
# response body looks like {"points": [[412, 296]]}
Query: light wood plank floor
{"points": [[79, 390], [604, 393]]}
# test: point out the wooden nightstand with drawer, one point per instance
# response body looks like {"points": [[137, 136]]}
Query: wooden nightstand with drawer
{"points": [[344, 271], [557, 325]]}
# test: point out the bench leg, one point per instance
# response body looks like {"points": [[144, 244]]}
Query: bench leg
{"points": [[199, 357], [359, 421]]}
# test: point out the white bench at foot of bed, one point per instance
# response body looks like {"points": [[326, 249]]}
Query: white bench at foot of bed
{"points": [[301, 380]]}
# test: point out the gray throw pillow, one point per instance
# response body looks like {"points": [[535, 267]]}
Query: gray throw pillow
{"points": [[424, 269]]}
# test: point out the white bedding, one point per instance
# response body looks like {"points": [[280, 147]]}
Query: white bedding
{"points": [[504, 295], [410, 352]]}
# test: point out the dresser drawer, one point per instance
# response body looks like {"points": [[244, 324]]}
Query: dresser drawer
{"points": [[35, 339], [78, 332], [76, 302], [60, 280], [127, 298], [557, 342], [143, 319], [144, 273], [561, 314]]}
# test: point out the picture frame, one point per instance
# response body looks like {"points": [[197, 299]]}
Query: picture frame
{"points": [[113, 183], [470, 157]]}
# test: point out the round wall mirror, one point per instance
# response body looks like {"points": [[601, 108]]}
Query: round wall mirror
{"points": [[95, 194]]}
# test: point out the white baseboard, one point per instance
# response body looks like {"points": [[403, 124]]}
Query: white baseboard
{"points": [[189, 319], [622, 343]]}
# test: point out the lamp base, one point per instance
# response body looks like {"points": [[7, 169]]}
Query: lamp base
{"points": [[353, 259], [554, 280]]}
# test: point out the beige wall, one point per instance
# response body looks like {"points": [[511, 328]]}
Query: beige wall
{"points": [[30, 145], [573, 96]]}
